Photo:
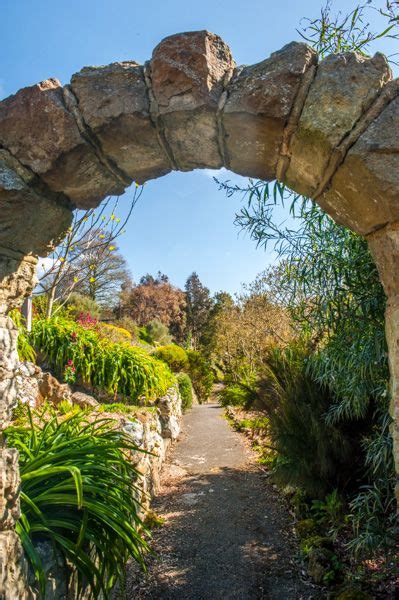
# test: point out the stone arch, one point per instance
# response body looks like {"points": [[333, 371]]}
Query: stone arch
{"points": [[329, 130]]}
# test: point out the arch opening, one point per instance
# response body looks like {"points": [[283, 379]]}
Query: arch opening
{"points": [[329, 130]]}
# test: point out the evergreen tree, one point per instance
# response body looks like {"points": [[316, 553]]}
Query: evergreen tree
{"points": [[198, 306]]}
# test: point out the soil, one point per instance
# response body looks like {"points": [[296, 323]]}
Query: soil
{"points": [[227, 532]]}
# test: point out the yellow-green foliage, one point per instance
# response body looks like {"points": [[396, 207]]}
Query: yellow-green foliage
{"points": [[24, 347], [174, 356], [118, 368], [305, 528], [113, 333], [186, 390]]}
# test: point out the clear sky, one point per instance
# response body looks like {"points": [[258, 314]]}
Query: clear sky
{"points": [[182, 223]]}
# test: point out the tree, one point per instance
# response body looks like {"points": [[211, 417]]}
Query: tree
{"points": [[155, 298], [89, 241], [197, 308], [149, 279], [246, 329], [330, 284], [102, 273], [221, 301]]}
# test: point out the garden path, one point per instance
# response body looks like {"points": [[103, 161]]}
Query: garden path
{"points": [[227, 532]]}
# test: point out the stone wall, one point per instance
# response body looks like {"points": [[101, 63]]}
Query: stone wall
{"points": [[151, 429], [329, 129]]}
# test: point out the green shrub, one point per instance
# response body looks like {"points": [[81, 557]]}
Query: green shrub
{"points": [[201, 374], [236, 394], [113, 333], [155, 333], [127, 323], [116, 367], [24, 347], [78, 492], [174, 356], [186, 390], [311, 452], [78, 304], [306, 528]]}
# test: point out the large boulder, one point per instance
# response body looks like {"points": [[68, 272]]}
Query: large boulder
{"points": [[188, 72], [343, 89], [40, 131], [52, 390], [260, 99], [114, 103]]}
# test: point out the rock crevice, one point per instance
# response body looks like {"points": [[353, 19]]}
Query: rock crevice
{"points": [[156, 119], [72, 104]]}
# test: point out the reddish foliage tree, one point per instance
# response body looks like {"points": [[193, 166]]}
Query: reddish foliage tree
{"points": [[155, 298]]}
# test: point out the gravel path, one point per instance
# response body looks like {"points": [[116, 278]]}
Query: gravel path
{"points": [[227, 532]]}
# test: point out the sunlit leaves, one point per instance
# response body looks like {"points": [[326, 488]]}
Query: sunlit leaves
{"points": [[78, 492]]}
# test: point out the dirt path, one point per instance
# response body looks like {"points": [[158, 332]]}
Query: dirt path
{"points": [[226, 533]]}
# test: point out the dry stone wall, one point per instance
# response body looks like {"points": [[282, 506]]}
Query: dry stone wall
{"points": [[329, 129]]}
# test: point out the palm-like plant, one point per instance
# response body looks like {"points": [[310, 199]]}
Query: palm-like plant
{"points": [[79, 491]]}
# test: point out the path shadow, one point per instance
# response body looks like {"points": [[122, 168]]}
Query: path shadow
{"points": [[226, 535]]}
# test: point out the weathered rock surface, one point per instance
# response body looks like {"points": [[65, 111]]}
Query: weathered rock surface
{"points": [[27, 384], [364, 193], [56, 575], [9, 488], [21, 202], [13, 568], [344, 87], [17, 278], [259, 102], [114, 103], [384, 246], [38, 129], [83, 400], [51, 390], [8, 369], [188, 73], [170, 413]]}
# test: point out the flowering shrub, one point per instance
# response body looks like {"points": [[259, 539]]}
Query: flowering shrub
{"points": [[86, 320], [70, 372], [119, 368]]}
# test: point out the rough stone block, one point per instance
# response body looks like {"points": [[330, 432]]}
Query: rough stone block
{"points": [[17, 279], [343, 89], [384, 246], [260, 100], [9, 488], [13, 568], [114, 103], [44, 218], [8, 348], [364, 192], [38, 129], [187, 73]]}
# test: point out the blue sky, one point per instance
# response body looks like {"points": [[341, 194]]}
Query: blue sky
{"points": [[182, 222]]}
